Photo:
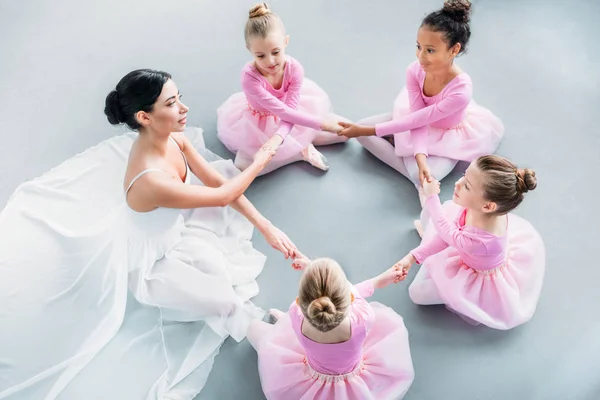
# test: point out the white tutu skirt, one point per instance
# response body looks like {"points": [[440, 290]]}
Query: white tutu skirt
{"points": [[71, 269]]}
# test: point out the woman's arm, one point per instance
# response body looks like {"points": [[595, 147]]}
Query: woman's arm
{"points": [[161, 190], [212, 178]]}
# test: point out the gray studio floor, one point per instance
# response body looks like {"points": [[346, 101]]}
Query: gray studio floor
{"points": [[535, 63]]}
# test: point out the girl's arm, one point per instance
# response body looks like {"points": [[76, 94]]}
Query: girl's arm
{"points": [[255, 89], [457, 98]]}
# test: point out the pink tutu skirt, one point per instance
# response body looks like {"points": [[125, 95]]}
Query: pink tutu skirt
{"points": [[501, 298], [478, 134], [385, 373], [242, 129]]}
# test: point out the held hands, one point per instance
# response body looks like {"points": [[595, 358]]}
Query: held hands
{"points": [[430, 185], [333, 127], [352, 130], [401, 268], [394, 274], [300, 262], [431, 188], [264, 155], [274, 142]]}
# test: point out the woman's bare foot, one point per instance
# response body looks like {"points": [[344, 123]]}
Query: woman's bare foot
{"points": [[312, 156], [418, 227]]}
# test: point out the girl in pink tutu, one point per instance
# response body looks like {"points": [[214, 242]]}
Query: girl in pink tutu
{"points": [[434, 122], [485, 263], [278, 108], [333, 344]]}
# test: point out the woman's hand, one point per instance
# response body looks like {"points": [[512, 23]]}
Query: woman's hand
{"points": [[273, 143], [263, 156], [279, 240]]}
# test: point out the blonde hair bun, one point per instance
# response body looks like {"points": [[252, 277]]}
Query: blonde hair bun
{"points": [[259, 10], [324, 295], [320, 306]]}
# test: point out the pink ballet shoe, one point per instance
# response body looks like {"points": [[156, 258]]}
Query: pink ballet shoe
{"points": [[315, 158]]}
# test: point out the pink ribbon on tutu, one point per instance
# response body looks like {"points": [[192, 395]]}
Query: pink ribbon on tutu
{"points": [[265, 114]]}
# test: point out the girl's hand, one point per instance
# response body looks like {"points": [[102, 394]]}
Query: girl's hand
{"points": [[300, 262], [332, 127], [431, 188], [424, 172], [394, 274], [352, 130], [404, 265]]}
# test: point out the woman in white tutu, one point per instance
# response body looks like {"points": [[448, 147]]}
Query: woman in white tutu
{"points": [[77, 237]]}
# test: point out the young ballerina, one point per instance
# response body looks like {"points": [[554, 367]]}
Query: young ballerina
{"points": [[153, 211], [485, 263], [434, 122], [332, 343], [278, 108]]}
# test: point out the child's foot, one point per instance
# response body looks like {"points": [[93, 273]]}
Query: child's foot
{"points": [[312, 156], [275, 315], [418, 227]]}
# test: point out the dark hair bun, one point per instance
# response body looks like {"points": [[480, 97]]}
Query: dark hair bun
{"points": [[526, 180], [113, 110], [458, 10]]}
